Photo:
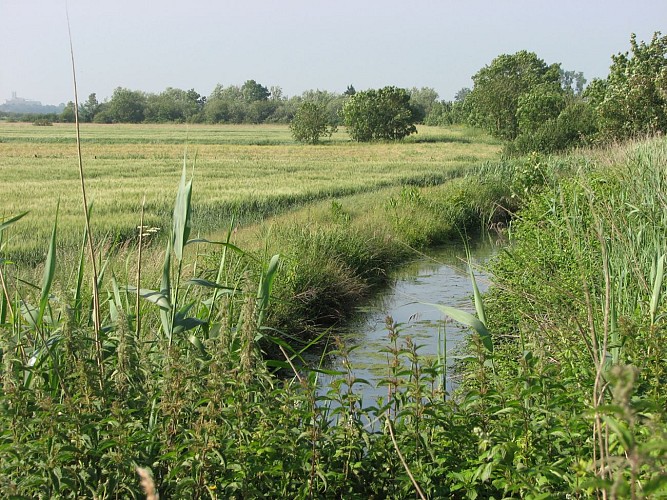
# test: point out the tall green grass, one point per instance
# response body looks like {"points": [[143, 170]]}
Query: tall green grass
{"points": [[577, 311]]}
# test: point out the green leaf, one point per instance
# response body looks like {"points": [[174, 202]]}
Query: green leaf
{"points": [[657, 286], [184, 324], [165, 291], [182, 216], [622, 432], [469, 320], [11, 221], [208, 284], [49, 270], [479, 303], [158, 298], [265, 285], [195, 341]]}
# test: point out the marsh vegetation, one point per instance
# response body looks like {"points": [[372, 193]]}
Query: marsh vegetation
{"points": [[172, 346]]}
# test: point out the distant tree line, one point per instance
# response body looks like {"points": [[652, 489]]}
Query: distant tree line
{"points": [[518, 98], [251, 102]]}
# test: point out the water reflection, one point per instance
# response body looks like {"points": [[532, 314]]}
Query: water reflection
{"points": [[439, 277]]}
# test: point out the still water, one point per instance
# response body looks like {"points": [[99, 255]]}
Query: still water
{"points": [[440, 277]]}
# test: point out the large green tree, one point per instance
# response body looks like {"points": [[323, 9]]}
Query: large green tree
{"points": [[380, 114], [89, 109], [498, 87], [67, 114], [127, 106], [173, 105], [253, 91]]}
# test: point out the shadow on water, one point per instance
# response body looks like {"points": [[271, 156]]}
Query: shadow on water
{"points": [[441, 276]]}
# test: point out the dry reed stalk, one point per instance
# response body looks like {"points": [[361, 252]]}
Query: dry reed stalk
{"points": [[405, 464], [147, 484], [91, 248], [137, 305]]}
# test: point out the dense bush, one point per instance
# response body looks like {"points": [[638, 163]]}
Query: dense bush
{"points": [[384, 114], [310, 123]]}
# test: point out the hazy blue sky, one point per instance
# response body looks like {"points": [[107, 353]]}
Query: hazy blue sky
{"points": [[301, 44]]}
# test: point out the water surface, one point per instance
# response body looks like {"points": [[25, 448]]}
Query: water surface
{"points": [[439, 277]]}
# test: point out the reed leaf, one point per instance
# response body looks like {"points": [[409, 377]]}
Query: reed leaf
{"points": [[265, 285], [49, 270], [182, 222], [155, 297], [4, 225], [657, 286], [78, 301], [469, 320], [479, 303], [165, 291]]}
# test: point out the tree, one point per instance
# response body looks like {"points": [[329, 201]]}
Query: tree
{"points": [[253, 91], [89, 109], [350, 90], [127, 106], [379, 114], [540, 104], [67, 114], [572, 81], [495, 96], [173, 105], [422, 100], [332, 101], [461, 95], [311, 122], [633, 98], [226, 105]]}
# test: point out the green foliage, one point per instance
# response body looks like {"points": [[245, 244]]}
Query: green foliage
{"points": [[422, 101], [310, 123], [43, 122], [126, 106], [494, 100], [532, 106], [632, 100], [384, 114], [174, 105], [67, 115], [197, 404], [575, 303], [253, 91], [572, 81], [575, 125], [444, 113], [89, 109], [541, 103], [562, 390]]}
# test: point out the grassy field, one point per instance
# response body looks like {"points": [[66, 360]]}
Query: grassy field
{"points": [[247, 171], [173, 368]]}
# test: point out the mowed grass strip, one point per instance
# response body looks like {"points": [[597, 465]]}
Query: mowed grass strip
{"points": [[250, 171]]}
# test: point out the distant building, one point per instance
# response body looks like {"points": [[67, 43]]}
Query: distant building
{"points": [[21, 105]]}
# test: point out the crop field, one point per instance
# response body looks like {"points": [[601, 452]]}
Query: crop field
{"points": [[247, 171]]}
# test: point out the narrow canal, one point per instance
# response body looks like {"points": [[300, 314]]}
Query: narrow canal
{"points": [[441, 276]]}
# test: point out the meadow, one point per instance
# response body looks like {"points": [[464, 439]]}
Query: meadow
{"points": [[249, 172], [182, 376]]}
